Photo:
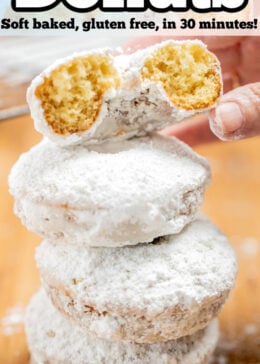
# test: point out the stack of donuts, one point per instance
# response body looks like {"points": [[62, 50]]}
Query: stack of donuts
{"points": [[130, 272]]}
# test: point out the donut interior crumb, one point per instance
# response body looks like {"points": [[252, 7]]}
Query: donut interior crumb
{"points": [[72, 95], [189, 74]]}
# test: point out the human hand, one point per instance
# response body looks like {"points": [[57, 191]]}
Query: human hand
{"points": [[237, 115]]}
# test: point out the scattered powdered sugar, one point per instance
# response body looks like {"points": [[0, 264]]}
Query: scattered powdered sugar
{"points": [[221, 359], [12, 323], [245, 344], [251, 329], [250, 246]]}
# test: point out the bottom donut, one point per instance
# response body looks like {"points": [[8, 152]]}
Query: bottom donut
{"points": [[53, 339]]}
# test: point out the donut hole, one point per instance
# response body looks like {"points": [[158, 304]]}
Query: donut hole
{"points": [[188, 73], [72, 95]]}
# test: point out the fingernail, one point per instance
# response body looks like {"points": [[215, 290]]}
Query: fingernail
{"points": [[228, 118]]}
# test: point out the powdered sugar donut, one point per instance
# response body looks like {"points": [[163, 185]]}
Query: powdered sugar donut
{"points": [[54, 340], [92, 96], [148, 293], [110, 195]]}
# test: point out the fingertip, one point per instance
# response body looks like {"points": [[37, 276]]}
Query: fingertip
{"points": [[227, 121]]}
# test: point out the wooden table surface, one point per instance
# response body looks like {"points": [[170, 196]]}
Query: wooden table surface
{"points": [[232, 202]]}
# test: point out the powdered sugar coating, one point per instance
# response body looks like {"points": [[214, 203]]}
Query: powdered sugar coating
{"points": [[110, 195], [136, 108], [54, 340], [145, 293]]}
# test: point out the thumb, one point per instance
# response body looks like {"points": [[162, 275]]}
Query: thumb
{"points": [[237, 116]]}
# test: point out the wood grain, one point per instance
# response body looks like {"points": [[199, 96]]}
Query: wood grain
{"points": [[232, 202]]}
